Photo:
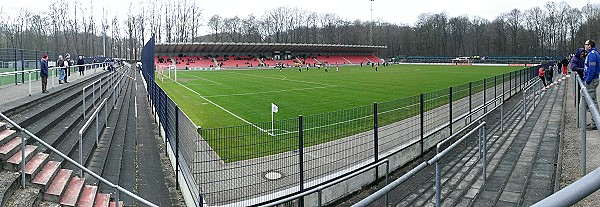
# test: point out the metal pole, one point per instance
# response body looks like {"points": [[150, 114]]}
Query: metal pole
{"points": [[177, 146], [484, 156], [438, 187], [29, 83], [502, 115], [80, 154], [524, 106], [450, 109], [375, 134], [583, 120], [301, 158], [422, 124], [23, 161]]}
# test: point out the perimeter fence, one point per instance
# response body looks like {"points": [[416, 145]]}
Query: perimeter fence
{"points": [[249, 165]]}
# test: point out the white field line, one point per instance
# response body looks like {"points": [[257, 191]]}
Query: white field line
{"points": [[299, 81], [216, 83], [213, 103], [277, 91]]}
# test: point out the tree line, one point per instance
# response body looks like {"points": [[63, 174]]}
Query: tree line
{"points": [[552, 29]]}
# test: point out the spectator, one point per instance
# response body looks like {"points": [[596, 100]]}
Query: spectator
{"points": [[44, 72], [61, 69], [67, 67], [550, 74], [81, 65], [577, 63], [542, 75], [564, 63], [591, 74]]}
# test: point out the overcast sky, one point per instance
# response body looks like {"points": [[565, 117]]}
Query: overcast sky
{"points": [[392, 11]]}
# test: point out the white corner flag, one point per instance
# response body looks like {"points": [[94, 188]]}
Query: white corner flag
{"points": [[274, 109]]}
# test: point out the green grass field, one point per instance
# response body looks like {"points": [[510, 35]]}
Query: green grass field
{"points": [[248, 94]]}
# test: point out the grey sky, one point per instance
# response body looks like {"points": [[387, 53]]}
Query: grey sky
{"points": [[393, 11]]}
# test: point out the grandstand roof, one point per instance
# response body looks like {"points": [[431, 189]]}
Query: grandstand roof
{"points": [[218, 47]]}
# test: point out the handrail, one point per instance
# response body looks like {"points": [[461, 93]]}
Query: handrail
{"points": [[320, 188], [31, 135], [589, 183], [87, 124], [385, 190]]}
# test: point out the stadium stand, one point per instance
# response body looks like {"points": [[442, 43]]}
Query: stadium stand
{"points": [[332, 59], [374, 59], [356, 59], [163, 61], [239, 61]]}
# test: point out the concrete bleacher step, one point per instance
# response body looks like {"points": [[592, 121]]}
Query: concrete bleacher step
{"points": [[114, 204], [3, 126], [88, 195], [58, 185], [483, 195], [34, 166], [46, 175], [424, 196], [7, 135], [15, 160], [10, 148], [106, 159], [8, 184], [72, 192], [102, 200]]}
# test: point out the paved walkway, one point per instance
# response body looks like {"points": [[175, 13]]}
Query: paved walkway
{"points": [[571, 153], [12, 95]]}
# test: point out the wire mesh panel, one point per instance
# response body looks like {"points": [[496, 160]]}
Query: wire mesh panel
{"points": [[399, 123], [332, 149], [477, 93], [248, 161], [461, 100]]}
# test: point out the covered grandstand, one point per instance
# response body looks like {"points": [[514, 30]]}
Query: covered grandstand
{"points": [[211, 56]]}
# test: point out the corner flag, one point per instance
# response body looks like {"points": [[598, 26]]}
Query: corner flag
{"points": [[274, 108]]}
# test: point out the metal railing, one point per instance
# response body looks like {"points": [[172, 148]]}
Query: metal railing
{"points": [[589, 183], [320, 189], [385, 190], [2, 75], [33, 136], [87, 124]]}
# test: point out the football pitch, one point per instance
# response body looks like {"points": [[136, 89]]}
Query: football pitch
{"points": [[223, 98]]}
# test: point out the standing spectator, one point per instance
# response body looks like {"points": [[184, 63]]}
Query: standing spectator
{"points": [[44, 72], [550, 74], [542, 75], [577, 63], [565, 62], [81, 65], [61, 69], [592, 62], [67, 66]]}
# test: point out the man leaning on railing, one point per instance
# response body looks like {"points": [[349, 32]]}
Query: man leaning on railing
{"points": [[591, 74]]}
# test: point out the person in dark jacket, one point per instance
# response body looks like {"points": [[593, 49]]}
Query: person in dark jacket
{"points": [[44, 72], [81, 63], [577, 63]]}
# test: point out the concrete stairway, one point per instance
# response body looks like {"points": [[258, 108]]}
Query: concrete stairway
{"points": [[462, 177], [55, 118]]}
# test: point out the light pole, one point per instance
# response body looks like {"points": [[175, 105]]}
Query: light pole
{"points": [[589, 11], [371, 26]]}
